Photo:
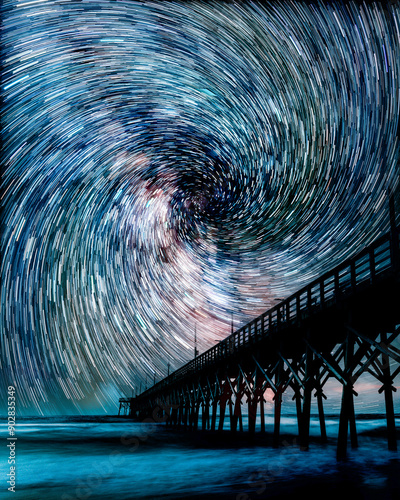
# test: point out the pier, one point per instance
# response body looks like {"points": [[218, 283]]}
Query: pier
{"points": [[340, 325]]}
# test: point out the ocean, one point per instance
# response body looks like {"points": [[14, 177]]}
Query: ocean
{"points": [[99, 458]]}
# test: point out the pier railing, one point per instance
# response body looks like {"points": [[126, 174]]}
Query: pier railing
{"points": [[364, 269]]}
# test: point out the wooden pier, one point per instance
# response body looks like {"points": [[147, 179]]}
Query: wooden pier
{"points": [[341, 325]]}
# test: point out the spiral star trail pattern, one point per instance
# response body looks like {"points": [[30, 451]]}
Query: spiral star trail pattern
{"points": [[171, 165]]}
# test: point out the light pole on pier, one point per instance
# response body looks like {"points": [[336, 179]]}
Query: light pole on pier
{"points": [[196, 352]]}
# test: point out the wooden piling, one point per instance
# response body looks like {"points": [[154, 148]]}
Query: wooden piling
{"points": [[277, 418], [222, 406], [191, 415], [347, 414], [388, 390], [230, 411], [237, 409], [252, 413], [214, 414], [306, 413], [297, 398], [321, 415], [174, 416], [196, 416], [203, 416], [352, 421], [278, 403], [186, 415], [341, 451], [240, 421], [262, 414]]}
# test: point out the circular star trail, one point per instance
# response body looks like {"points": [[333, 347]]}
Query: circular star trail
{"points": [[170, 166]]}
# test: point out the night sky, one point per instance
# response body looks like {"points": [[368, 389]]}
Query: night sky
{"points": [[170, 165]]}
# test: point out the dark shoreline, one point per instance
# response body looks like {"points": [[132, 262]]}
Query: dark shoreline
{"points": [[218, 438], [106, 416]]}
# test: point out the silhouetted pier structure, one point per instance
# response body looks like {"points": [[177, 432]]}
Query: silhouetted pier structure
{"points": [[341, 325]]}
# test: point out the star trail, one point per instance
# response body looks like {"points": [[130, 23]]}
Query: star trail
{"points": [[169, 166]]}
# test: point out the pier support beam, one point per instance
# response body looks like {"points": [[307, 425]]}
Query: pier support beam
{"points": [[388, 388], [352, 421], [252, 413], [277, 417], [252, 404], [240, 421], [186, 414], [191, 415], [296, 385], [196, 415], [297, 398], [319, 394], [230, 403], [237, 408], [205, 415], [347, 414], [214, 413], [305, 416], [278, 403], [346, 417], [222, 406], [262, 413], [235, 416], [174, 416], [224, 398]]}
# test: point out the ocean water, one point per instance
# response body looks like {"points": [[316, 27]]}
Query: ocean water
{"points": [[103, 458]]}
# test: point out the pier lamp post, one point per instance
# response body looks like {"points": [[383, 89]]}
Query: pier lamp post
{"points": [[196, 352]]}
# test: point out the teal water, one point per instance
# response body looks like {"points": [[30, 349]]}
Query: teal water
{"points": [[103, 458]]}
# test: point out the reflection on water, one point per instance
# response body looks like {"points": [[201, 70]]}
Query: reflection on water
{"points": [[100, 458]]}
